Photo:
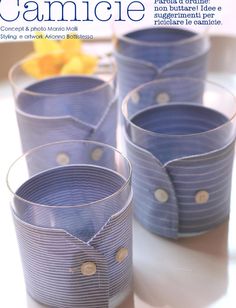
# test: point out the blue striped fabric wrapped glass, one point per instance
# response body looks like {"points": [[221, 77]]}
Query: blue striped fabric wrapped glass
{"points": [[157, 53], [67, 107], [74, 225], [182, 152]]}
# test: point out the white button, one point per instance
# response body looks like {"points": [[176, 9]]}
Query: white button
{"points": [[163, 98], [135, 97], [97, 154], [63, 159], [202, 197], [122, 254], [161, 195], [88, 269]]}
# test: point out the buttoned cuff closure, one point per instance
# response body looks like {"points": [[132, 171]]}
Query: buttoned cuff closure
{"points": [[132, 73], [67, 108], [66, 154], [63, 271], [157, 211], [74, 223], [182, 155], [143, 61], [185, 196]]}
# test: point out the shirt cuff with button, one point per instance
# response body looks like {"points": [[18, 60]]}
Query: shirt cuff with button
{"points": [[158, 53], [67, 108], [72, 255]]}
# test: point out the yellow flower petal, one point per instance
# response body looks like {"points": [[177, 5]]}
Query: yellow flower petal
{"points": [[50, 65], [44, 46], [90, 63], [32, 68], [73, 67], [43, 66], [71, 47], [59, 58]]}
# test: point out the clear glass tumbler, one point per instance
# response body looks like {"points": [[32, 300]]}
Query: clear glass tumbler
{"points": [[180, 138], [74, 224], [65, 107], [147, 54]]}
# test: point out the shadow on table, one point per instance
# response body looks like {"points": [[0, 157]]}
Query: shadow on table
{"points": [[128, 303], [191, 272]]}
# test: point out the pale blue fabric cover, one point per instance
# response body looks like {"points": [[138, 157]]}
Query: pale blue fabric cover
{"points": [[56, 239], [158, 53], [181, 147], [66, 108]]}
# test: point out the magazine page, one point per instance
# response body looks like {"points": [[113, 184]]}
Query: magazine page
{"points": [[118, 129]]}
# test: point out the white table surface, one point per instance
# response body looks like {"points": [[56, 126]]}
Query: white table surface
{"points": [[194, 272]]}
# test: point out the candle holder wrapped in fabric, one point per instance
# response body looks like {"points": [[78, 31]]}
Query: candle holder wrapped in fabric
{"points": [[74, 225], [66, 107], [156, 53], [182, 155]]}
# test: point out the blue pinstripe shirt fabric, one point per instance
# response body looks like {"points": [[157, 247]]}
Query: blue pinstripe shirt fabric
{"points": [[56, 238], [157, 53], [183, 148], [67, 108]]}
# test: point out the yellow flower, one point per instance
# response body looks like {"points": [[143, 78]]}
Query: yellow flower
{"points": [[82, 64], [31, 67], [73, 66], [45, 46], [52, 58], [71, 47], [90, 63]]}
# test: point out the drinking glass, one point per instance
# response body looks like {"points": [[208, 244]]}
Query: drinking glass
{"points": [[65, 107], [153, 53], [74, 224], [180, 142]]}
